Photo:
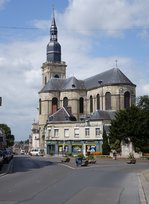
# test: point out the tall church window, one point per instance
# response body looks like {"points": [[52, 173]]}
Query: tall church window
{"points": [[81, 105], [98, 102], [91, 104], [45, 80], [40, 106], [54, 105], [108, 101], [126, 99], [65, 102]]}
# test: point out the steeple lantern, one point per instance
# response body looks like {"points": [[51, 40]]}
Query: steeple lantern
{"points": [[53, 48], [53, 31]]}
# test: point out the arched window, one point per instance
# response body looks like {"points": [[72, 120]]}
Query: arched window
{"points": [[65, 102], [98, 102], [54, 105], [91, 104], [45, 80], [56, 76], [108, 101], [40, 106], [81, 105], [126, 99]]}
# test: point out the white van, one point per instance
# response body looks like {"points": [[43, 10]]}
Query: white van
{"points": [[37, 152], [22, 151]]}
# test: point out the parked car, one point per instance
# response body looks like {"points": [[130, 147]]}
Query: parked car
{"points": [[7, 155], [37, 152], [1, 159]]}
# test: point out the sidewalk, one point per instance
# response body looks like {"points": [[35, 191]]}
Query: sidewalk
{"points": [[145, 184]]}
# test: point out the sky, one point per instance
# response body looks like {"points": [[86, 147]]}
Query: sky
{"points": [[93, 34]]}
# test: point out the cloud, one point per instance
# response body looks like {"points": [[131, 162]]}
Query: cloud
{"points": [[144, 34], [83, 29], [108, 17], [20, 67], [3, 3]]}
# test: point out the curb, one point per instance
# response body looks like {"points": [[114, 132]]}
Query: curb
{"points": [[145, 184], [142, 195]]}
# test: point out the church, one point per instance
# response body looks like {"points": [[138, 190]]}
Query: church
{"points": [[74, 112]]}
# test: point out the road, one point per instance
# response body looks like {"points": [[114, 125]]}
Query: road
{"points": [[35, 180]]}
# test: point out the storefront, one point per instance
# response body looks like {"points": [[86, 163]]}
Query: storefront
{"points": [[73, 147]]}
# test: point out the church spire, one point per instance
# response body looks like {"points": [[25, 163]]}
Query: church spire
{"points": [[53, 29], [53, 48]]}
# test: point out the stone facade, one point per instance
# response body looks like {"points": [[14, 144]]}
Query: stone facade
{"points": [[108, 91], [35, 136]]}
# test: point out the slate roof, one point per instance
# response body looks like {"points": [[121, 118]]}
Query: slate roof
{"points": [[61, 115], [111, 77], [57, 84], [103, 115]]}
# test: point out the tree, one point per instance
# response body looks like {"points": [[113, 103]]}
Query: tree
{"points": [[105, 145], [131, 125], [9, 137], [10, 140], [26, 141], [143, 102]]}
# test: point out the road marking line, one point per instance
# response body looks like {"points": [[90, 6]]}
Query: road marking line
{"points": [[67, 166]]}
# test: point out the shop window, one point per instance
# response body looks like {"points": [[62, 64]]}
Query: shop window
{"points": [[76, 149], [90, 148]]}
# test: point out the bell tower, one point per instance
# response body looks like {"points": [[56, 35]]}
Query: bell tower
{"points": [[53, 67]]}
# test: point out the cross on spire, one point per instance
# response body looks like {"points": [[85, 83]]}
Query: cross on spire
{"points": [[116, 63], [53, 11]]}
